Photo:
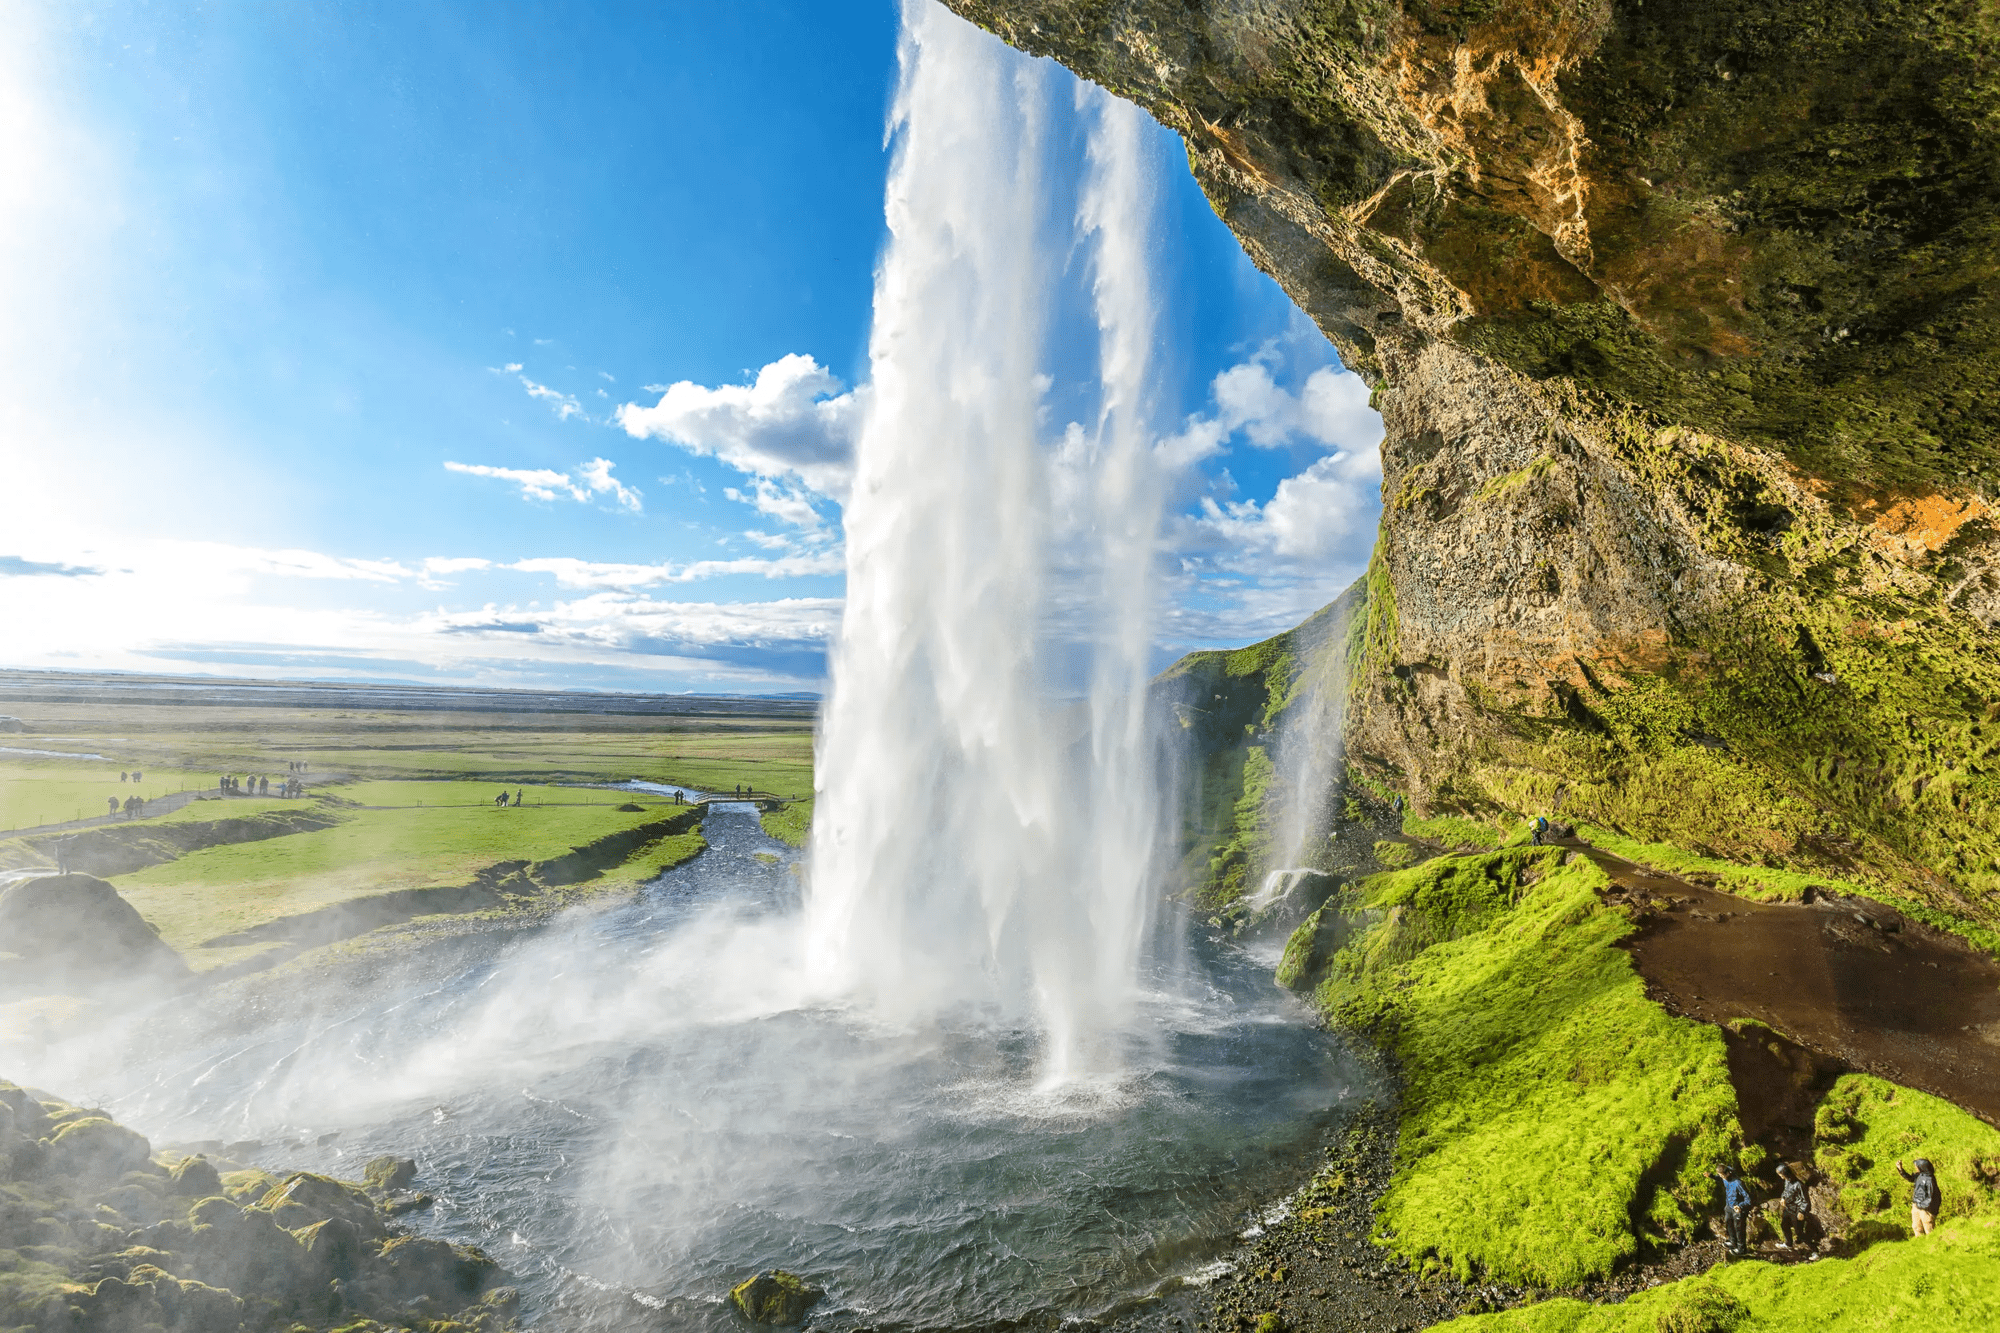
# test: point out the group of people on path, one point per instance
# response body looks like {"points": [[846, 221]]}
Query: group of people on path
{"points": [[1795, 1217], [131, 806], [231, 785], [133, 776], [501, 799]]}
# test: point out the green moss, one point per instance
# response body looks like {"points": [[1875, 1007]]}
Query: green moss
{"points": [[1554, 1118], [1865, 1124], [1947, 1280], [1238, 863], [1497, 487], [1454, 831], [790, 824], [1372, 634], [1394, 855]]}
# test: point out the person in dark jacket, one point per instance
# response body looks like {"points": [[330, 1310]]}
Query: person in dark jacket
{"points": [[1794, 1209], [1925, 1197], [1735, 1210]]}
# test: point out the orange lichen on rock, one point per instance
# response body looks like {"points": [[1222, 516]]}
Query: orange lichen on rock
{"points": [[1927, 521]]}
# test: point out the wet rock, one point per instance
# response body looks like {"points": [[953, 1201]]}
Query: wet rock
{"points": [[334, 1248], [97, 1232], [414, 1268], [388, 1175], [304, 1199], [776, 1297], [1301, 892]]}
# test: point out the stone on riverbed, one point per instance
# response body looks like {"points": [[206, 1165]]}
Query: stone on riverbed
{"points": [[776, 1297]]}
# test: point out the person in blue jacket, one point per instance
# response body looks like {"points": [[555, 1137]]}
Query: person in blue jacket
{"points": [[1735, 1210], [1924, 1196]]}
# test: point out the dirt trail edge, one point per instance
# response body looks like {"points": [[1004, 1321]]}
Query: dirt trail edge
{"points": [[1852, 984]]}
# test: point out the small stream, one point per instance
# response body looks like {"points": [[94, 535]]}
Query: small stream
{"points": [[634, 1108]]}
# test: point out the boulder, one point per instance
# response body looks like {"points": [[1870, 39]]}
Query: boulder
{"points": [[776, 1297], [1300, 892], [305, 1198], [413, 1269], [94, 1148], [75, 932], [195, 1178], [335, 1248], [388, 1175]]}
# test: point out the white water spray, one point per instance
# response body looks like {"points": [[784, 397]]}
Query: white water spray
{"points": [[975, 843]]}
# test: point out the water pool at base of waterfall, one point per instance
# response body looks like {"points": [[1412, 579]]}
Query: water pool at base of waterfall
{"points": [[633, 1109]]}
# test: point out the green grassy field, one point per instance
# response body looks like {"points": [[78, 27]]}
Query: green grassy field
{"points": [[411, 792], [448, 793], [53, 791], [219, 891]]}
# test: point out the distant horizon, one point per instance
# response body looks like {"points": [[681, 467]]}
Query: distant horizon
{"points": [[388, 682]]}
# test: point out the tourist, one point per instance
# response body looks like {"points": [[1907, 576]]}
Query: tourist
{"points": [[1735, 1210], [517, 800], [122, 776], [1924, 1196], [1794, 1209], [113, 802], [1541, 828]]}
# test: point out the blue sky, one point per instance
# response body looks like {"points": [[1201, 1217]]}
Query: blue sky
{"points": [[319, 319]]}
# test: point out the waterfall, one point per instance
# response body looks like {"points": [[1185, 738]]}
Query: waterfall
{"points": [[977, 841]]}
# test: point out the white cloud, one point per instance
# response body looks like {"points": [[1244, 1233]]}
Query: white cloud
{"points": [[596, 474], [562, 404], [581, 483], [1313, 516], [1331, 410], [792, 420], [570, 572], [787, 503]]}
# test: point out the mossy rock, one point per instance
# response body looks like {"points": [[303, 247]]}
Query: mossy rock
{"points": [[775, 1297], [195, 1178], [94, 1147], [386, 1175]]}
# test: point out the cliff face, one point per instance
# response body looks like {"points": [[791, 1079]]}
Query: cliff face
{"points": [[1683, 320]]}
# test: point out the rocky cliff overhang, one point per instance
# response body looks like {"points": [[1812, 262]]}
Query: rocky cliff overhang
{"points": [[1772, 220], [1683, 321]]}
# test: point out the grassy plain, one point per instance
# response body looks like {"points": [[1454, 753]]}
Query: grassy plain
{"points": [[400, 808], [221, 891], [51, 791]]}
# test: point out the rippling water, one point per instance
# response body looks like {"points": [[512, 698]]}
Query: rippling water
{"points": [[635, 1108]]}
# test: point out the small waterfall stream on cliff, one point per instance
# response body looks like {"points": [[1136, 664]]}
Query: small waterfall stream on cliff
{"points": [[962, 1077]]}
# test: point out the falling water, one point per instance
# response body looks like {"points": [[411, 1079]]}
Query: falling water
{"points": [[975, 843]]}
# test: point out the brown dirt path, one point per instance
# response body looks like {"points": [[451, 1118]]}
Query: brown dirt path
{"points": [[1854, 985]]}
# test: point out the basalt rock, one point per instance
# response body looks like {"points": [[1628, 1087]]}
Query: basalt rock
{"points": [[1678, 317]]}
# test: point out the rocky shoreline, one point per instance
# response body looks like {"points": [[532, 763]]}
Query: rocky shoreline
{"points": [[99, 1231]]}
